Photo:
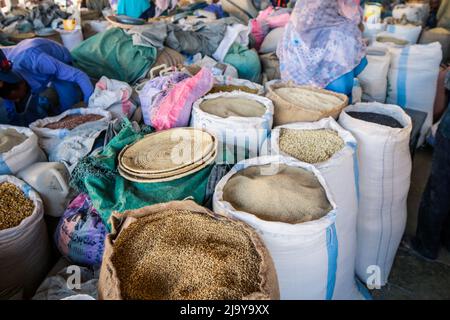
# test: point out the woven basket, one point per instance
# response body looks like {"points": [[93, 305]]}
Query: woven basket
{"points": [[287, 112]]}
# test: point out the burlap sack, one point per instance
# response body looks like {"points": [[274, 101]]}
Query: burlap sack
{"points": [[287, 112], [109, 283]]}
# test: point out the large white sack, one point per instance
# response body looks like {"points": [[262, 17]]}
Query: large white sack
{"points": [[342, 166], [69, 146], [270, 42], [22, 155], [407, 32], [373, 79], [384, 178], [414, 12], [305, 254], [412, 79], [24, 250], [371, 30], [114, 96], [239, 138]]}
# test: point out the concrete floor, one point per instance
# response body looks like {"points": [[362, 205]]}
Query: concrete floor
{"points": [[411, 277]]}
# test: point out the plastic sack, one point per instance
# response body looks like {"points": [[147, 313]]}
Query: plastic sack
{"points": [[239, 138], [69, 146], [97, 176], [371, 30], [305, 254], [80, 235], [384, 178], [270, 43], [342, 166], [22, 155], [413, 79], [114, 96], [175, 109], [409, 33], [236, 33], [374, 77], [246, 61], [24, 249]]}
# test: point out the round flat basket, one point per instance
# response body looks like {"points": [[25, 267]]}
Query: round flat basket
{"points": [[155, 152], [139, 179]]}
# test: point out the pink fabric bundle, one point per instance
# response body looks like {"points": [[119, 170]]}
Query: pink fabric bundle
{"points": [[175, 109], [267, 19]]}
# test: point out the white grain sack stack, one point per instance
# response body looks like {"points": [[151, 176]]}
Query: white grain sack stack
{"points": [[24, 249], [413, 79], [305, 254], [373, 79], [342, 166], [384, 179], [241, 122]]}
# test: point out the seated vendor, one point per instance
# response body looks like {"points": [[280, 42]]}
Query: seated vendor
{"points": [[27, 70], [323, 46]]}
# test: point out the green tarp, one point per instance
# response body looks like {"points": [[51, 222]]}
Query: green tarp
{"points": [[246, 61], [98, 177], [112, 54]]}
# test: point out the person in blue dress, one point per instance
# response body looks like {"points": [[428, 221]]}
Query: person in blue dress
{"points": [[29, 69]]}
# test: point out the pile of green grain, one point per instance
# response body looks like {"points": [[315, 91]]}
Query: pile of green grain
{"points": [[310, 146], [14, 206], [177, 255]]}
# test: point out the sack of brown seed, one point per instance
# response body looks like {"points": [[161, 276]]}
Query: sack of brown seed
{"points": [[71, 135], [24, 245], [179, 250], [294, 103]]}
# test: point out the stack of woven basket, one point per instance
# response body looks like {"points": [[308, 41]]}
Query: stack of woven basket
{"points": [[167, 155]]}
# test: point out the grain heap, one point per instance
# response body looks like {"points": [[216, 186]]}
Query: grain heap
{"points": [[72, 121], [377, 118], [230, 88], [311, 146], [179, 254], [225, 107], [291, 195], [14, 206], [10, 138], [308, 98]]}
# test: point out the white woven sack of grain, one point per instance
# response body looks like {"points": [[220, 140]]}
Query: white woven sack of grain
{"points": [[69, 146], [412, 79], [414, 12], [342, 166], [305, 254], [239, 137], [373, 79], [22, 155], [24, 250], [384, 179], [406, 32], [371, 30]]}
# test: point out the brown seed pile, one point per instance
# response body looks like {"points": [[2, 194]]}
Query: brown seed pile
{"points": [[231, 87], [72, 121], [278, 193], [177, 255], [310, 146], [14, 206]]}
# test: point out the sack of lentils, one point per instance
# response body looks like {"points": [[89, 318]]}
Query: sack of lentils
{"points": [[294, 103], [332, 150], [24, 244], [179, 250]]}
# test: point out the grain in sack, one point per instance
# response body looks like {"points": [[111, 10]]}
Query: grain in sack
{"points": [[302, 243], [338, 163], [152, 253], [384, 161], [241, 122], [24, 245]]}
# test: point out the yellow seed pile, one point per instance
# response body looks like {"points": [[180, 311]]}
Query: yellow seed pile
{"points": [[176, 255], [14, 206], [310, 146]]}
